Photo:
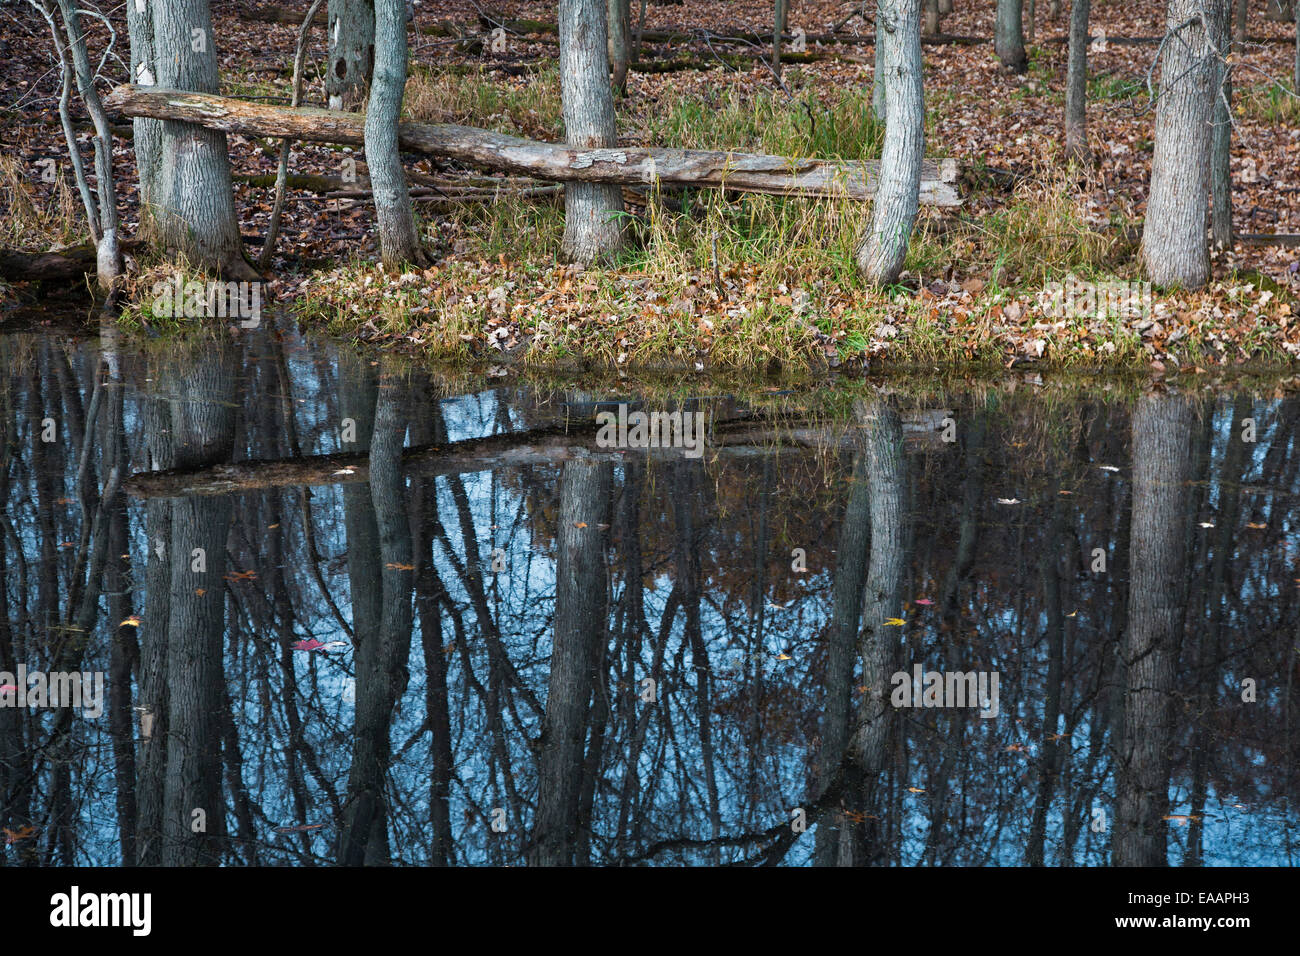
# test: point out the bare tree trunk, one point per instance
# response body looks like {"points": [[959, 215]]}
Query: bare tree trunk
{"points": [[619, 15], [1239, 20], [1295, 75], [881, 255], [109, 252], [1162, 426], [1173, 240], [1221, 154], [945, 7], [147, 134], [592, 228], [878, 104], [1031, 18], [352, 52], [194, 205], [1076, 84], [580, 611], [778, 28], [398, 241], [930, 17], [1054, 9], [1009, 36]]}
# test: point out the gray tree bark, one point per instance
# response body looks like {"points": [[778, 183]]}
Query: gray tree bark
{"points": [[1009, 36], [592, 228], [1076, 84], [194, 206], [352, 52], [1239, 20], [147, 135], [1162, 426], [1173, 240], [893, 212], [1221, 152], [878, 104], [399, 242]]}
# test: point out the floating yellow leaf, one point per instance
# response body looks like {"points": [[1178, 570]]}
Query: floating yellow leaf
{"points": [[580, 524], [893, 622], [916, 790], [783, 656], [132, 621], [394, 566]]}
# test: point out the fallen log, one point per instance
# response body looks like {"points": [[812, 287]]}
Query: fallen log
{"points": [[679, 35], [628, 166], [66, 265], [293, 18], [542, 446], [63, 265]]}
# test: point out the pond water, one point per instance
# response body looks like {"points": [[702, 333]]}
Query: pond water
{"points": [[328, 606]]}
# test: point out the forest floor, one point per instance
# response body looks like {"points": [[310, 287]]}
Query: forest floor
{"points": [[721, 281]]}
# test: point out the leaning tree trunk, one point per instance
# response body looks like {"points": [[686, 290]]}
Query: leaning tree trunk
{"points": [[1158, 551], [398, 241], [592, 230], [893, 212], [619, 15], [1173, 239], [108, 252], [1076, 84], [352, 52], [1009, 36], [194, 207]]}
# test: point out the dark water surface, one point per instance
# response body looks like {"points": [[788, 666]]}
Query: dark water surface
{"points": [[515, 645]]}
